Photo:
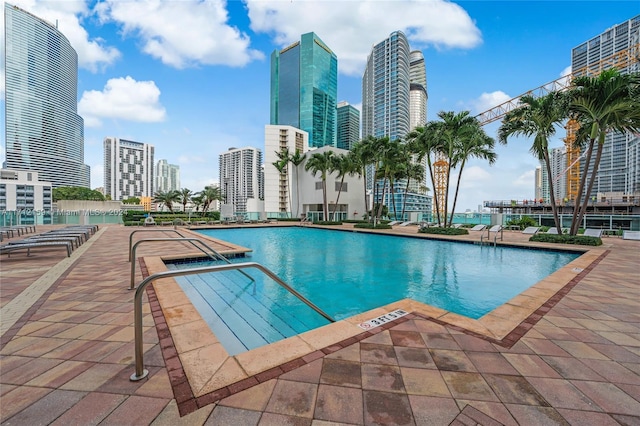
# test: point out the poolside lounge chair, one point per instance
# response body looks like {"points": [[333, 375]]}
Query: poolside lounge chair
{"points": [[531, 230], [8, 248], [409, 222], [395, 222], [554, 230], [591, 232], [74, 240], [631, 235], [478, 228]]}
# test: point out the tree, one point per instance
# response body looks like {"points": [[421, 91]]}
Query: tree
{"points": [[454, 126], [209, 194], [343, 165], [472, 142], [76, 193], [296, 159], [282, 165], [167, 198], [538, 117], [184, 196], [413, 171], [131, 200], [321, 163], [606, 103], [363, 153]]}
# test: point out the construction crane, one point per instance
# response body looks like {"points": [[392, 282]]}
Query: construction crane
{"points": [[622, 60]]}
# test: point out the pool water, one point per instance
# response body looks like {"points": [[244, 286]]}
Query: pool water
{"points": [[346, 273]]}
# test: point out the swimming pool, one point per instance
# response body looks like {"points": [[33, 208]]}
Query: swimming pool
{"points": [[346, 273]]}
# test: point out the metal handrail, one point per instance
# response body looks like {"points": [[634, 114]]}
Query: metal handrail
{"points": [[214, 255], [150, 230], [141, 372]]}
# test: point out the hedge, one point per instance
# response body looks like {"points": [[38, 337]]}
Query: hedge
{"points": [[443, 231], [566, 239]]}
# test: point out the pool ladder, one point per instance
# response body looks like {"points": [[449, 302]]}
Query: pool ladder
{"points": [[495, 238]]}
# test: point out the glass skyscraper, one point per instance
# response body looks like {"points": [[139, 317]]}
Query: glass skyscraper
{"points": [[618, 171], [348, 129], [304, 89], [385, 89], [43, 131]]}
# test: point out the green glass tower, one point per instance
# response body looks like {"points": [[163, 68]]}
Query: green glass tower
{"points": [[304, 88]]}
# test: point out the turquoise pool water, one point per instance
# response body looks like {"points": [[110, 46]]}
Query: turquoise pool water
{"points": [[346, 273]]}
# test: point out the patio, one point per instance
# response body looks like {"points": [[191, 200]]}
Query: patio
{"points": [[66, 354]]}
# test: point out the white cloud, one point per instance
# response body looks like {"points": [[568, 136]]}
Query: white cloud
{"points": [[68, 15], [486, 101], [122, 98], [182, 33], [351, 28]]}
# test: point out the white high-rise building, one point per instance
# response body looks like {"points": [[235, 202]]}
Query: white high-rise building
{"points": [[167, 177], [558, 161], [43, 131], [241, 179], [615, 172], [280, 189], [417, 90], [385, 89], [128, 169]]}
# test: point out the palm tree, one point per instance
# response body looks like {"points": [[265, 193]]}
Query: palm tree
{"points": [[538, 117], [296, 159], [363, 155], [453, 129], [473, 142], [394, 159], [343, 165], [425, 141], [321, 163], [184, 195], [210, 193], [167, 198], [198, 200], [413, 171], [281, 166], [602, 104]]}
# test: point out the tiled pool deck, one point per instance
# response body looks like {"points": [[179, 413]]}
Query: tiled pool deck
{"points": [[565, 352]]}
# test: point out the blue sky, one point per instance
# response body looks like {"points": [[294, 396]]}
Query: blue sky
{"points": [[192, 77]]}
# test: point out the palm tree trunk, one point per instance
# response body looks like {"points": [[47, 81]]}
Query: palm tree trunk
{"points": [[393, 199], [435, 191], [297, 192], [592, 179], [552, 195], [335, 207], [384, 188], [325, 208], [455, 197], [578, 201], [404, 201]]}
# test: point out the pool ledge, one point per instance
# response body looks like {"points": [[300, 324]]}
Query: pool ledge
{"points": [[202, 372]]}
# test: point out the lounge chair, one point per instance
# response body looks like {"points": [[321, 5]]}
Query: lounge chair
{"points": [[409, 222], [74, 240], [395, 222], [530, 230], [8, 248], [591, 232], [478, 228], [631, 235], [554, 230]]}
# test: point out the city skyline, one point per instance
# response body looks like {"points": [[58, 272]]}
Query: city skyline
{"points": [[193, 101]]}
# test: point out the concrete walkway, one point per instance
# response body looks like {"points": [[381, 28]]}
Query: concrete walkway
{"points": [[66, 354]]}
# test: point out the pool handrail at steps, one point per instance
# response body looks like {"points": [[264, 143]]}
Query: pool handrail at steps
{"points": [[141, 372], [212, 254], [155, 230]]}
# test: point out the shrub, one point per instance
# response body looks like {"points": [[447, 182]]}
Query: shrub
{"points": [[327, 222], [566, 239], [443, 231], [367, 225], [523, 222]]}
